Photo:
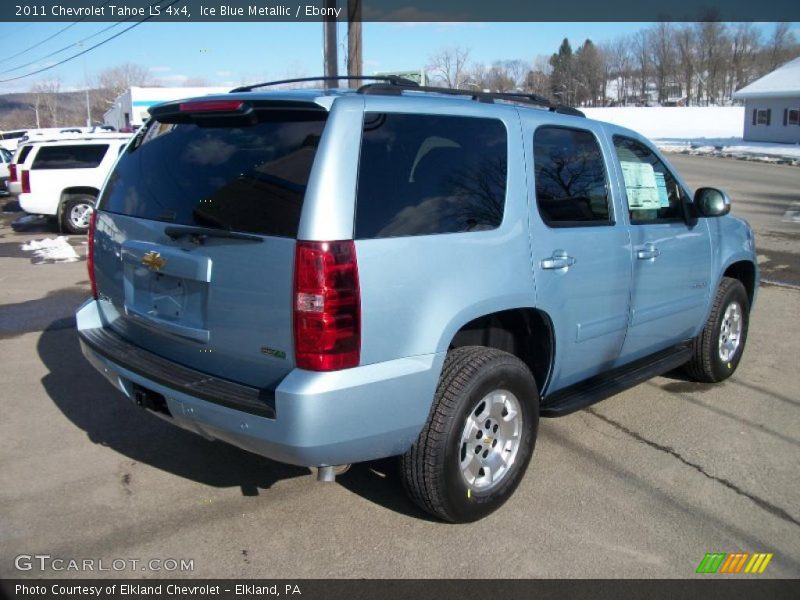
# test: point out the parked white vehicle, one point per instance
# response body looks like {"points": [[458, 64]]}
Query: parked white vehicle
{"points": [[10, 139], [5, 160], [63, 178]]}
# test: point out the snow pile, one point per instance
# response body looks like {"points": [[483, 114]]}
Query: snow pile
{"points": [[685, 122], [734, 147], [705, 130], [51, 250]]}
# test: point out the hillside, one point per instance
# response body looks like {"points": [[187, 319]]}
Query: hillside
{"points": [[61, 109]]}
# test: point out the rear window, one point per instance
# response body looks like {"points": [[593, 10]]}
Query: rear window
{"points": [[86, 156], [429, 174], [12, 135], [249, 178]]}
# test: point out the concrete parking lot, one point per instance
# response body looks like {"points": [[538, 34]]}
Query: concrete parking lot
{"points": [[640, 485]]}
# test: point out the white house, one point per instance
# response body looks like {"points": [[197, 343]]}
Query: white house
{"points": [[772, 106], [130, 107]]}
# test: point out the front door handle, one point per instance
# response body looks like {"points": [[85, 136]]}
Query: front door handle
{"points": [[649, 252], [559, 260]]}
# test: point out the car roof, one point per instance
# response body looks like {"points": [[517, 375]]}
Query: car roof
{"points": [[325, 98]]}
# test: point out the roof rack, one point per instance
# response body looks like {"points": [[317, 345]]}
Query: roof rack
{"points": [[391, 80], [397, 88]]}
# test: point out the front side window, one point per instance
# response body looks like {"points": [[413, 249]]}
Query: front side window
{"points": [[86, 156], [430, 174], [570, 177], [652, 191]]}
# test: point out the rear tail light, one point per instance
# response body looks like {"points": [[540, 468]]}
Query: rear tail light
{"points": [[12, 172], [327, 306], [90, 252], [25, 178]]}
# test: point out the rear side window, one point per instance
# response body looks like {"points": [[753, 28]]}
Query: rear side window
{"points": [[86, 156], [23, 154], [570, 176], [249, 178], [429, 174]]}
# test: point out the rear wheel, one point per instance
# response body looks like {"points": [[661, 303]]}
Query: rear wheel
{"points": [[479, 438], [718, 349], [75, 213]]}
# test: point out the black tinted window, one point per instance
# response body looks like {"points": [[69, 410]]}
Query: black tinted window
{"points": [[652, 192], [69, 157], [427, 174], [570, 177], [23, 154], [249, 178]]}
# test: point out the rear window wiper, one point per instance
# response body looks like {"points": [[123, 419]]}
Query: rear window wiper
{"points": [[200, 233]]}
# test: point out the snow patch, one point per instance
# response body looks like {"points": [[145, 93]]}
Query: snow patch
{"points": [[55, 250]]}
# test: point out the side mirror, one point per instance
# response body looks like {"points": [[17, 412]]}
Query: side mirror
{"points": [[711, 202]]}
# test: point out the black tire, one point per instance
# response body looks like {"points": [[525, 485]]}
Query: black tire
{"points": [[706, 364], [65, 214], [431, 469]]}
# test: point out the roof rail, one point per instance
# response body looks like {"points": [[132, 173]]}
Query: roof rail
{"points": [[392, 80], [479, 96]]}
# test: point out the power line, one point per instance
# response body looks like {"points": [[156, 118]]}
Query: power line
{"points": [[90, 48], [78, 43], [47, 39]]}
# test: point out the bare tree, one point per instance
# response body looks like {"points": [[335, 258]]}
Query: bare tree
{"points": [[746, 44], [115, 80], [662, 55], [449, 66], [620, 65], [46, 101], [537, 80], [712, 50], [782, 45], [640, 46], [685, 44]]}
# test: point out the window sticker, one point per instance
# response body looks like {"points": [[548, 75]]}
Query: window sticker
{"points": [[640, 185], [661, 185]]}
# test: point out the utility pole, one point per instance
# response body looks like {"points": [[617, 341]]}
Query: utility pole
{"points": [[329, 44], [86, 83], [354, 57]]}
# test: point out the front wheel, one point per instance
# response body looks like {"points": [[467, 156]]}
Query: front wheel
{"points": [[480, 435], [719, 347]]}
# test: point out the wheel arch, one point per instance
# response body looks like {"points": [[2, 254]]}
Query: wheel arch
{"points": [[78, 190], [525, 332], [745, 271]]}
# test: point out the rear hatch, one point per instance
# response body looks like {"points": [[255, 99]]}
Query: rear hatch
{"points": [[195, 237]]}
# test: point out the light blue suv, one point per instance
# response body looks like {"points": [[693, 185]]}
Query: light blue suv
{"points": [[328, 277]]}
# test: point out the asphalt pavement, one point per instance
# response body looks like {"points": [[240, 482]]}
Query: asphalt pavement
{"points": [[640, 485]]}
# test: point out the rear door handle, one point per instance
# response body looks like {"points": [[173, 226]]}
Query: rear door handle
{"points": [[559, 260], [649, 252]]}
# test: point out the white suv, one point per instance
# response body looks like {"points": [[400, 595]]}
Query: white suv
{"points": [[63, 178]]}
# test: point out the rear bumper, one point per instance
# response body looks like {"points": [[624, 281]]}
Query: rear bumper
{"points": [[36, 204], [310, 419]]}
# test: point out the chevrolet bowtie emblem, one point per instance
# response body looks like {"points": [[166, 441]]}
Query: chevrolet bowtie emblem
{"points": [[153, 261]]}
